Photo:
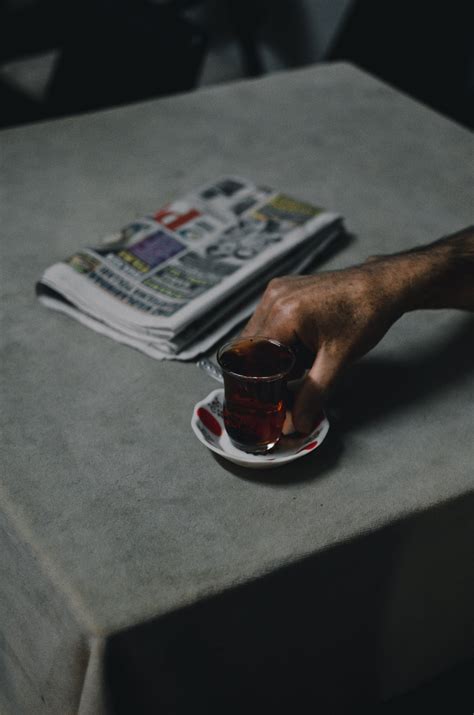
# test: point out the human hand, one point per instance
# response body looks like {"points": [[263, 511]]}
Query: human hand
{"points": [[335, 317], [340, 315]]}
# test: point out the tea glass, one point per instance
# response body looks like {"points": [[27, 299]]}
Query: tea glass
{"points": [[255, 372]]}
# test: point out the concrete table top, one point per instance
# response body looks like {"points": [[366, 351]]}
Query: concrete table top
{"points": [[113, 515]]}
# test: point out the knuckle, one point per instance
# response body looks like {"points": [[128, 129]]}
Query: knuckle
{"points": [[284, 308], [274, 288]]}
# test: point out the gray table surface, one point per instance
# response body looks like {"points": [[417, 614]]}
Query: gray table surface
{"points": [[112, 514]]}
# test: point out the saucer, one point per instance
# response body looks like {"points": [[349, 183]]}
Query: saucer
{"points": [[208, 425]]}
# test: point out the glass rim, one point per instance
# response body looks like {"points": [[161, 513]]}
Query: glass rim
{"points": [[257, 378]]}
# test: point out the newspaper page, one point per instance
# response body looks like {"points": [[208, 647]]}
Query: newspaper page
{"points": [[170, 277]]}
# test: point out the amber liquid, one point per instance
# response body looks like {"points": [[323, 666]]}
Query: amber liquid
{"points": [[254, 409]]}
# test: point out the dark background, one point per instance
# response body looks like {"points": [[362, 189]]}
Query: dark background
{"points": [[59, 57]]}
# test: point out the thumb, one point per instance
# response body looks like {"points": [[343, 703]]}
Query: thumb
{"points": [[310, 397]]}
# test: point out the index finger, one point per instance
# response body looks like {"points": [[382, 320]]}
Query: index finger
{"points": [[270, 318], [270, 325], [252, 327]]}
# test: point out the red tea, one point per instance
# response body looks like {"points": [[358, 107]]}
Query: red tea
{"points": [[255, 371]]}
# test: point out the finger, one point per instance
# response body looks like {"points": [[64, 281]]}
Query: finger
{"points": [[253, 325], [267, 324], [288, 426], [270, 324], [257, 322], [264, 316], [310, 398], [304, 358]]}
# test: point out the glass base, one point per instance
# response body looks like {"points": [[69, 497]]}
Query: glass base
{"points": [[254, 449]]}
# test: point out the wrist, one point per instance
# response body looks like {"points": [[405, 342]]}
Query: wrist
{"points": [[421, 274], [410, 281], [439, 275]]}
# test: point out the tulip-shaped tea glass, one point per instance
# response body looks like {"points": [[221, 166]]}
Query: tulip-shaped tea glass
{"points": [[255, 374]]}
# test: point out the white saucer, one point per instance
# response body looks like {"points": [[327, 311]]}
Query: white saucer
{"points": [[208, 426]]}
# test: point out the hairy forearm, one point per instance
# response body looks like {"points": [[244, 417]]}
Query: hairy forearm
{"points": [[439, 275]]}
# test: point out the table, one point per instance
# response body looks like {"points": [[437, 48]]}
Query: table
{"points": [[138, 573]]}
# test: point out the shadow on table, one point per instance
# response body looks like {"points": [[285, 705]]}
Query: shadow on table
{"points": [[313, 466], [332, 633], [377, 387]]}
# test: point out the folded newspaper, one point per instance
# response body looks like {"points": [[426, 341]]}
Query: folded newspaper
{"points": [[174, 283]]}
